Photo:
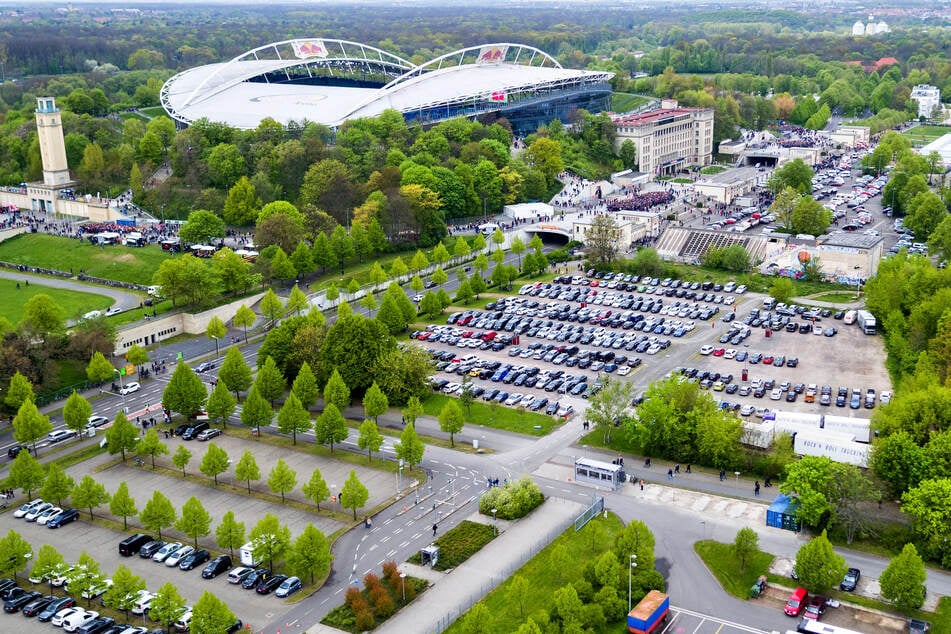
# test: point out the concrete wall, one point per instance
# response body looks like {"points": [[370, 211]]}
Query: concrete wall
{"points": [[149, 332], [96, 209]]}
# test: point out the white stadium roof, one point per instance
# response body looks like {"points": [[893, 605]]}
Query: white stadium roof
{"points": [[285, 81]]}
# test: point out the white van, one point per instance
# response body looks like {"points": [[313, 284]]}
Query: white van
{"points": [[849, 317], [488, 228]]}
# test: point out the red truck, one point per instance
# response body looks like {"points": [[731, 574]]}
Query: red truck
{"points": [[649, 614]]}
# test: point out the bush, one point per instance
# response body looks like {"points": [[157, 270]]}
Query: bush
{"points": [[513, 500]]}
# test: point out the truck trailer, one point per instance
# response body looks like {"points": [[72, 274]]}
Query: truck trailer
{"points": [[866, 321], [648, 615]]}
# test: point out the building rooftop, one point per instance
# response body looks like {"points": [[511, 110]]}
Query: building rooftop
{"points": [[853, 239], [653, 116], [730, 176]]}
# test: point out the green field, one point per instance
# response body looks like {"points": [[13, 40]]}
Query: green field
{"points": [[713, 169], [625, 102], [496, 416], [135, 265], [925, 134], [74, 303], [152, 111]]}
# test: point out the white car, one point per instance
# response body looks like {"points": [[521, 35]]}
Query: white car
{"points": [[746, 410], [885, 397], [142, 605], [514, 399], [45, 516], [184, 621], [706, 350], [176, 557], [776, 394], [62, 615], [624, 370], [96, 421], [77, 619], [36, 511], [115, 310], [451, 388], [59, 434], [729, 354], [60, 576], [129, 388], [26, 508], [165, 551]]}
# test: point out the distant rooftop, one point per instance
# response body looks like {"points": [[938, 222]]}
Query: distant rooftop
{"points": [[854, 239]]}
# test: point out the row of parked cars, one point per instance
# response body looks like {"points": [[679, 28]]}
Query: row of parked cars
{"points": [[641, 284], [47, 514]]}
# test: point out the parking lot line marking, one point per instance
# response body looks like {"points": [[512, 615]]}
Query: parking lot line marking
{"points": [[391, 553], [383, 539], [404, 544], [739, 626]]}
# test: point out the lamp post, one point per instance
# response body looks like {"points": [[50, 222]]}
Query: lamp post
{"points": [[633, 564], [216, 346], [399, 479], [403, 585], [737, 474], [495, 521], [333, 491]]}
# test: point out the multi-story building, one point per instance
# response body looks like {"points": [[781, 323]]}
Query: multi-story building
{"points": [[928, 98], [668, 138]]}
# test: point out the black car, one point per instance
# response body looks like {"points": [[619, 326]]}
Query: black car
{"points": [[253, 579], [67, 516], [236, 626], [47, 613], [5, 586], [194, 559], [270, 584], [97, 625], [12, 593], [16, 604], [36, 605], [216, 566], [792, 362], [151, 548], [178, 431], [851, 580], [15, 450]]}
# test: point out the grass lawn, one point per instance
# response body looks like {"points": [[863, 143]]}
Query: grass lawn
{"points": [[74, 303], [625, 102], [496, 416], [925, 134], [544, 576], [713, 169], [460, 543], [835, 297], [726, 568], [135, 265], [152, 111]]}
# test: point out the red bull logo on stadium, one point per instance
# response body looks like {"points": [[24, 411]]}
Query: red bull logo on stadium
{"points": [[309, 48], [492, 54], [499, 96]]}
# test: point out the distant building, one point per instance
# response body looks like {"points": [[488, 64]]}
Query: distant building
{"points": [[728, 185], [870, 29], [851, 135], [668, 138], [858, 28], [928, 98]]}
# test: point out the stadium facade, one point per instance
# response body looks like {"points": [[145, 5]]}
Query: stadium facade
{"points": [[330, 81]]}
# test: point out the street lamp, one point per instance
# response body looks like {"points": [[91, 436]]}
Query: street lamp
{"points": [[737, 474], [633, 564], [399, 479], [495, 521], [403, 585]]}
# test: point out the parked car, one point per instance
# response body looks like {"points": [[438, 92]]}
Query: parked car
{"points": [[270, 584], [59, 435], [148, 550], [176, 557], [67, 516], [17, 603], [61, 616], [194, 559], [208, 434], [27, 507], [851, 580], [37, 605], [288, 587], [815, 608], [239, 574], [256, 577], [77, 619], [54, 606], [216, 566]]}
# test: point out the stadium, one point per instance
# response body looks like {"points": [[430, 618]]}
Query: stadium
{"points": [[330, 81]]}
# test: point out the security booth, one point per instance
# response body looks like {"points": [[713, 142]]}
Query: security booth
{"points": [[599, 473], [429, 555]]}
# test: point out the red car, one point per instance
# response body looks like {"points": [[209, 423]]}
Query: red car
{"points": [[719, 352]]}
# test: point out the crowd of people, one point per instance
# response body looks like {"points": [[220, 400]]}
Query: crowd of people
{"points": [[641, 201]]}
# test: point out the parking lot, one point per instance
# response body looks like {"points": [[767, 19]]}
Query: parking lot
{"points": [[695, 623]]}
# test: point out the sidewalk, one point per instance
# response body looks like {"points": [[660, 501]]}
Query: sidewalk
{"points": [[457, 591]]}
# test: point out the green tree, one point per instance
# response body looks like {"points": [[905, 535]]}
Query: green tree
{"points": [[194, 521], [316, 489], [903, 580], [810, 217], [353, 494], [439, 276], [419, 261], [464, 293], [210, 614], [26, 473], [235, 372], [221, 403], [20, 389], [782, 289], [15, 552], [150, 445], [336, 391], [451, 420], [185, 393], [157, 515], [122, 595], [167, 605], [430, 305], [818, 567], [398, 268], [375, 402], [230, 533], [85, 577], [247, 469], [370, 438], [122, 436], [256, 411], [98, 370], [310, 555], [305, 386], [410, 448], [271, 539], [413, 410], [745, 545], [271, 305], [293, 418], [122, 504], [544, 155], [478, 620], [29, 425], [57, 486], [202, 227], [76, 412], [89, 494], [795, 174], [606, 409], [330, 427], [297, 300], [417, 284], [42, 318], [48, 563], [270, 383], [244, 318], [215, 330], [282, 479], [182, 457], [215, 462]]}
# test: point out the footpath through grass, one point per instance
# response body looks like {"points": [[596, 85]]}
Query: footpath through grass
{"points": [[74, 303], [496, 416], [134, 265], [546, 573]]}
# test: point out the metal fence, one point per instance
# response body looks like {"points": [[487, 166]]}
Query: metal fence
{"points": [[589, 513]]}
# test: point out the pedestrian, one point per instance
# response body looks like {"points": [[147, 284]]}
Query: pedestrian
{"points": [[688, 468], [642, 485], [166, 434], [670, 474], [677, 468], [767, 483], [435, 527], [722, 475], [756, 489]]}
